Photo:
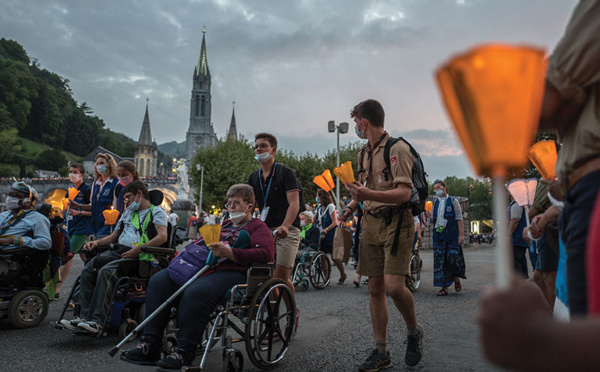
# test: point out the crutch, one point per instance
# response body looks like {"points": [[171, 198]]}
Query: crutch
{"points": [[211, 262]]}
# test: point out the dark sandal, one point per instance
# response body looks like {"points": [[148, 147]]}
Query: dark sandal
{"points": [[342, 279], [356, 283], [442, 292], [457, 286]]}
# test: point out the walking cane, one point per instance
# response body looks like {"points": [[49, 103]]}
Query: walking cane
{"points": [[211, 261]]}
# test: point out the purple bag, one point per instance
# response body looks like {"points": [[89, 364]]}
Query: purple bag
{"points": [[187, 263]]}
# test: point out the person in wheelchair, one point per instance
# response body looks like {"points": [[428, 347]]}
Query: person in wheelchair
{"points": [[133, 230], [200, 298], [21, 225]]}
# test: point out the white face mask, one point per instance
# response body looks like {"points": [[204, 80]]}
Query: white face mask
{"points": [[135, 205], [302, 223], [12, 202], [262, 157], [237, 217], [74, 177]]}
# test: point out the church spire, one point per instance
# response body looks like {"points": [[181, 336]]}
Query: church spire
{"points": [[202, 67], [145, 135], [232, 126]]}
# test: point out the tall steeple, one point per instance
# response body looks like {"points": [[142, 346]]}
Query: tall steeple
{"points": [[232, 134], [146, 135], [202, 67], [146, 151], [200, 133]]}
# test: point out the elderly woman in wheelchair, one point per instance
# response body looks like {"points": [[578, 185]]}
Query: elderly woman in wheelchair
{"points": [[25, 237], [243, 241]]}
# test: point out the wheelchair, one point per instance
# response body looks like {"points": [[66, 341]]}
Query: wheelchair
{"points": [[413, 280], [22, 298], [260, 313], [313, 264]]}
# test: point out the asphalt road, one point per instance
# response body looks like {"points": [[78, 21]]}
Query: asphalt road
{"points": [[334, 335]]}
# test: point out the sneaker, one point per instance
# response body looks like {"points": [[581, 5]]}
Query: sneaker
{"points": [[144, 353], [414, 349], [177, 359], [89, 326], [71, 324], [375, 362]]}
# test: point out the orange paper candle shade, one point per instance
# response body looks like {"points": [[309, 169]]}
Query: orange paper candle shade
{"points": [[328, 178], [110, 216], [543, 156], [345, 172], [428, 206], [493, 94], [72, 193], [211, 233], [320, 181], [65, 203], [523, 190]]}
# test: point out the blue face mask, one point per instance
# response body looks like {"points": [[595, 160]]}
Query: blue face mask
{"points": [[101, 169], [317, 199], [440, 193], [359, 133], [135, 206]]}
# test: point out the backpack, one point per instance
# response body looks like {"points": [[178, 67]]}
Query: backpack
{"points": [[419, 192]]}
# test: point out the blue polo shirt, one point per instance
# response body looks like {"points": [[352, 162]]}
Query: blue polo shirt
{"points": [[80, 225]]}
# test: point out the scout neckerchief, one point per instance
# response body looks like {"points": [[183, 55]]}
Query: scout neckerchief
{"points": [[135, 221], [370, 150], [12, 219]]}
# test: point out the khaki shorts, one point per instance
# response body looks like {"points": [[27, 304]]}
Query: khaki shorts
{"points": [[286, 248], [375, 258]]}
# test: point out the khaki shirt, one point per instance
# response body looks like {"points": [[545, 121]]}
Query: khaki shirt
{"points": [[401, 164], [574, 69]]}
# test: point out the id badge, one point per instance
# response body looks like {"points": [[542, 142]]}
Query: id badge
{"points": [[442, 223], [264, 214], [135, 244], [69, 217]]}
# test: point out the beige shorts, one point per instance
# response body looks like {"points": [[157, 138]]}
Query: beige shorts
{"points": [[374, 257], [286, 248]]}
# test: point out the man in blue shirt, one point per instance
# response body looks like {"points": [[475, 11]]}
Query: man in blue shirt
{"points": [[21, 225]]}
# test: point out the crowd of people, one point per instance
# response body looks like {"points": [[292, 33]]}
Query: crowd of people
{"points": [[518, 330]]}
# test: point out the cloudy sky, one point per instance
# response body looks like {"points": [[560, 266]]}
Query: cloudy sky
{"points": [[290, 66]]}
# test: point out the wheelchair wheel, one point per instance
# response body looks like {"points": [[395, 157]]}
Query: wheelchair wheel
{"points": [[233, 361], [320, 270], [270, 330], [414, 280], [28, 308], [297, 274], [125, 329]]}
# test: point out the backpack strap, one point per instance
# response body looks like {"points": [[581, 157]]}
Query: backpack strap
{"points": [[135, 221], [361, 169], [386, 156]]}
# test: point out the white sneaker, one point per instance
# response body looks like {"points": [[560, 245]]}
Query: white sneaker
{"points": [[71, 324], [89, 326]]}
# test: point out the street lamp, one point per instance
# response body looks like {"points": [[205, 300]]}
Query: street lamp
{"points": [[340, 128], [200, 168]]}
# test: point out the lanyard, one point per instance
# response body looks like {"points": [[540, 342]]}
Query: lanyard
{"points": [[265, 196]]}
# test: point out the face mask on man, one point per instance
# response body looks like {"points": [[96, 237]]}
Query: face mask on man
{"points": [[261, 158], [74, 177], [440, 193], [302, 223], [124, 181], [135, 205], [101, 169], [12, 202]]}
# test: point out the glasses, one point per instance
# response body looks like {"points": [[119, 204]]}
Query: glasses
{"points": [[234, 203], [127, 197], [261, 146]]}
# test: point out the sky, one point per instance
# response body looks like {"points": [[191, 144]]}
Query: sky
{"points": [[290, 66]]}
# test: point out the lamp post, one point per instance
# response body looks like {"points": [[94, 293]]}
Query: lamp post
{"points": [[200, 168], [340, 128]]}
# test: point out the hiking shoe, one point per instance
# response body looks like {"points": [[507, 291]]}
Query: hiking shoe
{"points": [[91, 327], [177, 359], [71, 324], [414, 349], [375, 362], [144, 353]]}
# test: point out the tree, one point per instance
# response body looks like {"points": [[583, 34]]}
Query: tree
{"points": [[51, 160], [228, 163]]}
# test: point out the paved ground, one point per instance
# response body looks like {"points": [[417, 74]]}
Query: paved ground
{"points": [[334, 333]]}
